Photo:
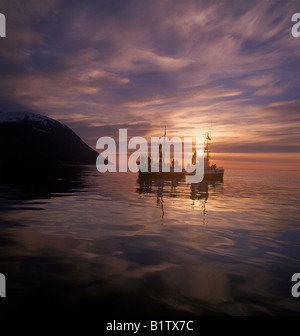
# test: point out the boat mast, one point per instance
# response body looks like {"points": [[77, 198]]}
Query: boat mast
{"points": [[165, 134], [207, 151]]}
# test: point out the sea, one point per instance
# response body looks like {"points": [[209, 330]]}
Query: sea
{"points": [[74, 241]]}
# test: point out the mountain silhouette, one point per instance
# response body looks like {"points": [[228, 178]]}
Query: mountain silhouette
{"points": [[35, 140]]}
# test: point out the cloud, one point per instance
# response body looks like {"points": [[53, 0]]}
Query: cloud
{"points": [[151, 63]]}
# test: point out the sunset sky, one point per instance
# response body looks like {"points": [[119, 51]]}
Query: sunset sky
{"points": [[228, 67]]}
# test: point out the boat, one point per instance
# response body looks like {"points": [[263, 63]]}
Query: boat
{"points": [[211, 172]]}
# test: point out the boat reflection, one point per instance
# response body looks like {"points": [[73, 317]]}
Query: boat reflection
{"points": [[177, 189]]}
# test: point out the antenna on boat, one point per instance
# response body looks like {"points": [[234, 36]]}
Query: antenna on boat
{"points": [[165, 134], [206, 150]]}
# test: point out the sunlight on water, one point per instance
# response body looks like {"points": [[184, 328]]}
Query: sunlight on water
{"points": [[120, 245]]}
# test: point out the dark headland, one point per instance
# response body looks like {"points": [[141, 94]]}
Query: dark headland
{"points": [[28, 139]]}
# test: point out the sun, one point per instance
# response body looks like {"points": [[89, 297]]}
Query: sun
{"points": [[200, 153]]}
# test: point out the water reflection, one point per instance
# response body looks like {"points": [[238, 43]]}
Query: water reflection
{"points": [[177, 189], [173, 188], [98, 246], [19, 187]]}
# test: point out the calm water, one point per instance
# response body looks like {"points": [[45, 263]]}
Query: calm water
{"points": [[77, 242]]}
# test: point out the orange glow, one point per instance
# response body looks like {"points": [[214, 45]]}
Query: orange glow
{"points": [[262, 161], [200, 153]]}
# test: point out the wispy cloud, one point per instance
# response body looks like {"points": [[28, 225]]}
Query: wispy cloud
{"points": [[144, 64]]}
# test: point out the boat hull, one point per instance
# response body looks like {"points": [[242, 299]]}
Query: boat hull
{"points": [[214, 175], [209, 175]]}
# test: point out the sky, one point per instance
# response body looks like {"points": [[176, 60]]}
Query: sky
{"points": [[228, 67]]}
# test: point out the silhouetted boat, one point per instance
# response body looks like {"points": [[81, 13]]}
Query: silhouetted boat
{"points": [[211, 172]]}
